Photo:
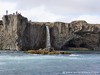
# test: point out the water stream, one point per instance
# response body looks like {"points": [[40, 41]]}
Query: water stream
{"points": [[48, 44]]}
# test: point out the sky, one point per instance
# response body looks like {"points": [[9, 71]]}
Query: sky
{"points": [[54, 10]]}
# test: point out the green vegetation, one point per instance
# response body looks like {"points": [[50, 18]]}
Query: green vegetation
{"points": [[44, 52]]}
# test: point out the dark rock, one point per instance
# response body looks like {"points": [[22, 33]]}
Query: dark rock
{"points": [[59, 33], [65, 34], [1, 22], [17, 33], [90, 41]]}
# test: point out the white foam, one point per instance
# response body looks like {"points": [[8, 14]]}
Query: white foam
{"points": [[25, 57], [7, 69], [73, 55], [2, 63]]}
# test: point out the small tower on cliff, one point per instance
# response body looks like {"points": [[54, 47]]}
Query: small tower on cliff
{"points": [[16, 12], [6, 12]]}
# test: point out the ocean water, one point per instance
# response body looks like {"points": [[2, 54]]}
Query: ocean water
{"points": [[19, 63]]}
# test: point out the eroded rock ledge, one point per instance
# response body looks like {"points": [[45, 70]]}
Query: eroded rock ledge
{"points": [[17, 33]]}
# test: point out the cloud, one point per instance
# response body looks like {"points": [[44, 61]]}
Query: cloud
{"points": [[61, 6], [10, 6], [54, 10], [41, 14]]}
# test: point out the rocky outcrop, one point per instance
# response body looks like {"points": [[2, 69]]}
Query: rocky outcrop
{"points": [[13, 29], [1, 22], [59, 33], [17, 33], [20, 34], [89, 36], [63, 35], [34, 36], [1, 34], [90, 41]]}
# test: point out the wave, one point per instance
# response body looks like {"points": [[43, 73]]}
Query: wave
{"points": [[2, 63], [27, 57], [74, 55]]}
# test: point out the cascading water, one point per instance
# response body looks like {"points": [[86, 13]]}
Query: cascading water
{"points": [[48, 44]]}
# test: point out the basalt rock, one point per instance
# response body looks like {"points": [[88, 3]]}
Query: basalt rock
{"points": [[89, 36], [17, 33], [59, 33], [20, 34], [75, 34]]}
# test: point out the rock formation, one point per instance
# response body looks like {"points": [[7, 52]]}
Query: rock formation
{"points": [[20, 34], [17, 33], [89, 36]]}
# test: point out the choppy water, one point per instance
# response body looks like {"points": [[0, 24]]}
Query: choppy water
{"points": [[19, 63]]}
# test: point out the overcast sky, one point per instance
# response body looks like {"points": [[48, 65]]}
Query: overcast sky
{"points": [[54, 10]]}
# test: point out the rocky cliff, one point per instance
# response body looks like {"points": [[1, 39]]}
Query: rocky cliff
{"points": [[88, 36], [77, 34], [20, 34], [17, 33]]}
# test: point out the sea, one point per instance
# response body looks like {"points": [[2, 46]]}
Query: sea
{"points": [[20, 63]]}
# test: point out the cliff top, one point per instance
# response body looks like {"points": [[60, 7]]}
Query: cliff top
{"points": [[79, 21], [47, 23]]}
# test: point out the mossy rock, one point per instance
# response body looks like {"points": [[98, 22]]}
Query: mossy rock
{"points": [[45, 52]]}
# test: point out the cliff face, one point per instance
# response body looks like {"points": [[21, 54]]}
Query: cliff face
{"points": [[91, 41], [13, 29], [59, 33], [34, 36], [88, 36], [64, 35], [17, 33]]}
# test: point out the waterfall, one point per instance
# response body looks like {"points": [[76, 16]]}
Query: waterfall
{"points": [[48, 44]]}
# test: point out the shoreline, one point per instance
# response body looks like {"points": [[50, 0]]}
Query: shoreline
{"points": [[54, 52], [46, 52]]}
